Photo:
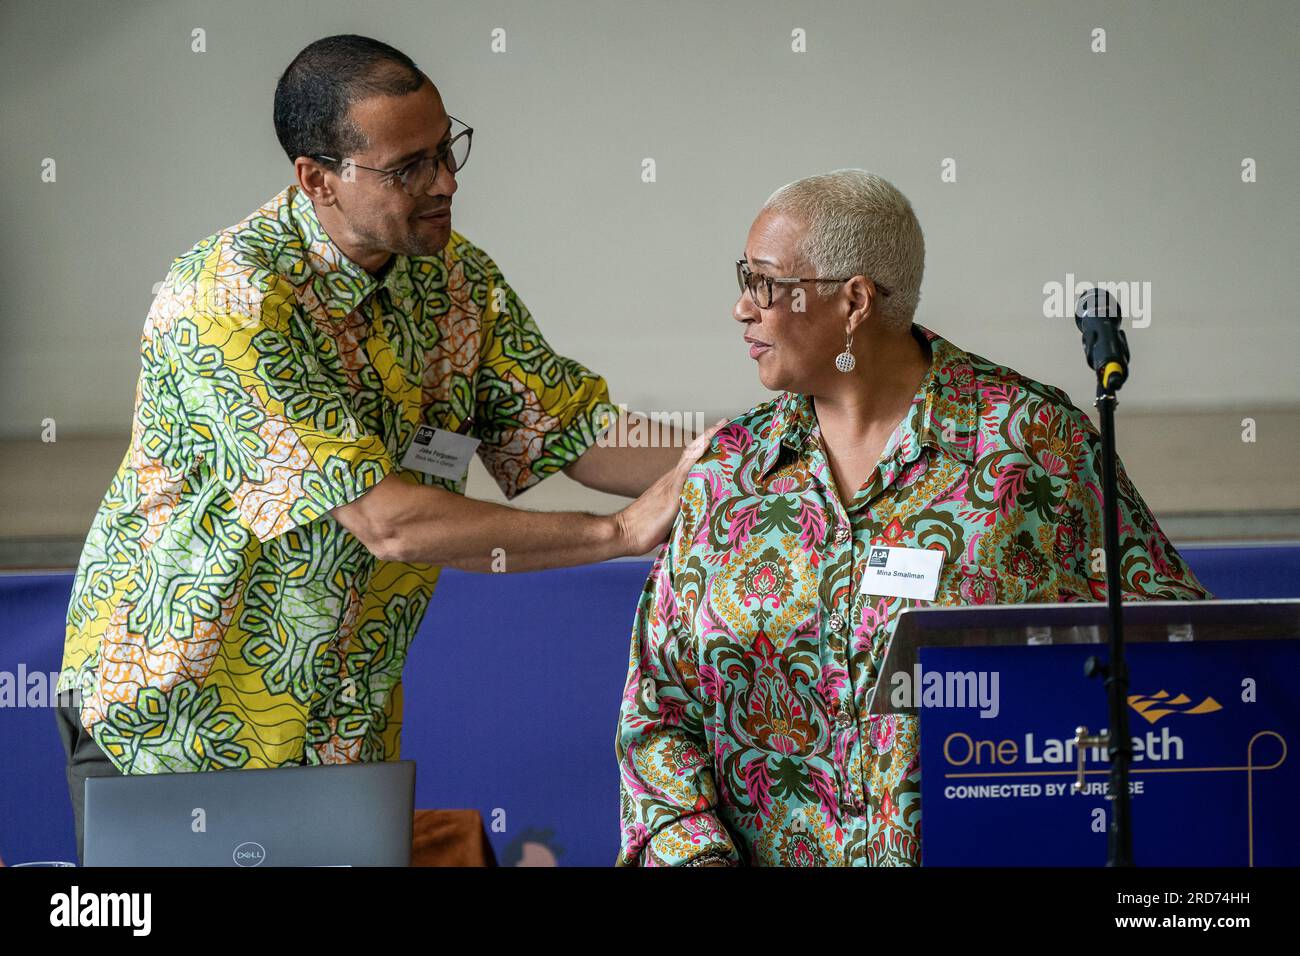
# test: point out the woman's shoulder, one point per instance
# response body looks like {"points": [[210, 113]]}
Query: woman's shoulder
{"points": [[745, 433], [737, 452]]}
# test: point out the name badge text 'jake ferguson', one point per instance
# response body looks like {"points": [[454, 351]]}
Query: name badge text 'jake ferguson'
{"points": [[902, 572], [438, 452]]}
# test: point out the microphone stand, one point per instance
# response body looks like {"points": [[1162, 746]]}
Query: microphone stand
{"points": [[1119, 744]]}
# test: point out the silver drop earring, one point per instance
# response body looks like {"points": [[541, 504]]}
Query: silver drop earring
{"points": [[845, 361]]}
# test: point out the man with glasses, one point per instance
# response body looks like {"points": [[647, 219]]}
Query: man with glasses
{"points": [[314, 381]]}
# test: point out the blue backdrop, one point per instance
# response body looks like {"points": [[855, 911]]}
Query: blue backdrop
{"points": [[512, 693]]}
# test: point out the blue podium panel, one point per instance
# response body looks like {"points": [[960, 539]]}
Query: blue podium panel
{"points": [[1212, 782]]}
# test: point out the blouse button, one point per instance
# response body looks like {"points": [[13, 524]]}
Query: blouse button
{"points": [[842, 534], [836, 622]]}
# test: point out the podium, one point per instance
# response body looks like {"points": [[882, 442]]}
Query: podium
{"points": [[1000, 691]]}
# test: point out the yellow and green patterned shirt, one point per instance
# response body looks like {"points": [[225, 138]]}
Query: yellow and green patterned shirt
{"points": [[219, 616]]}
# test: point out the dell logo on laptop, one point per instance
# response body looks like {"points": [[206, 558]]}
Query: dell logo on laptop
{"points": [[249, 854]]}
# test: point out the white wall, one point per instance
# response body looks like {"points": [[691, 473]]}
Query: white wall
{"points": [[1123, 165]]}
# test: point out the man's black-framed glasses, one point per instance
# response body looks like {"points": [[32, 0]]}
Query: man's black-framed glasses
{"points": [[418, 175], [760, 287]]}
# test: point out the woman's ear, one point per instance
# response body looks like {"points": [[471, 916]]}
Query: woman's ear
{"points": [[862, 302]]}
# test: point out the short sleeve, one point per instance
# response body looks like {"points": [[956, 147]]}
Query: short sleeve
{"points": [[536, 411], [255, 406], [1150, 566]]}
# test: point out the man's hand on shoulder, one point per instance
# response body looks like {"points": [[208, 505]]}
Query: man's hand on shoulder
{"points": [[645, 523]]}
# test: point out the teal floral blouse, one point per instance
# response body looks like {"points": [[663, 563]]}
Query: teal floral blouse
{"points": [[743, 731]]}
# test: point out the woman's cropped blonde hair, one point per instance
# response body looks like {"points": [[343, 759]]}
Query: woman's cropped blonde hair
{"points": [[857, 223]]}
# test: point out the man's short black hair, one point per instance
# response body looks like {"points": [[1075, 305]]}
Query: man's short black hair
{"points": [[315, 93]]}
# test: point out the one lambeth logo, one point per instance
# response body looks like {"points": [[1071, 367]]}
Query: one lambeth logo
{"points": [[1161, 704], [878, 558], [250, 854]]}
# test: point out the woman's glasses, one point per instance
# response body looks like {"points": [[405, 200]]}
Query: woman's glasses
{"points": [[761, 288]]}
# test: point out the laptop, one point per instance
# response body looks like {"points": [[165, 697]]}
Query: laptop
{"points": [[340, 815]]}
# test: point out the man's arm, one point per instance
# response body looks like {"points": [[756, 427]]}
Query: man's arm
{"points": [[622, 467], [398, 520], [559, 388]]}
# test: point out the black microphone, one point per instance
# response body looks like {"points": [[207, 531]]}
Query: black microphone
{"points": [[1098, 317]]}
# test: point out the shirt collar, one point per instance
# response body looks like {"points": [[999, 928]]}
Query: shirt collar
{"points": [[339, 283], [943, 413]]}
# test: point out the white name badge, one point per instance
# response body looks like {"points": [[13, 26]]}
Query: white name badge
{"points": [[902, 572], [438, 452]]}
